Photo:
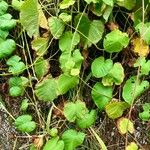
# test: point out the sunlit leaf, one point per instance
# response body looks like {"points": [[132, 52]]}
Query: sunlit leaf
{"points": [[65, 17], [132, 146], [145, 115], [3, 7], [66, 3], [128, 4]]}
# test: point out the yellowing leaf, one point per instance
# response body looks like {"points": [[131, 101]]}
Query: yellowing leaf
{"points": [[132, 146], [124, 125], [140, 47], [42, 19]]}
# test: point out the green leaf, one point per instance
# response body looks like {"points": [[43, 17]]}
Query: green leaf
{"points": [[53, 132], [132, 146], [54, 143], [56, 27], [100, 67], [134, 88], [91, 1], [68, 41], [66, 82], [115, 41], [6, 22], [72, 139], [91, 32], [29, 17], [7, 47], [3, 34], [109, 2], [115, 109], [16, 4], [16, 66], [24, 123], [88, 120], [69, 61], [101, 95], [24, 104], [41, 67], [143, 64], [128, 4], [17, 86], [145, 115], [40, 45], [16, 91], [65, 17], [73, 111], [3, 7], [124, 125], [116, 75], [66, 3], [46, 90], [144, 31]]}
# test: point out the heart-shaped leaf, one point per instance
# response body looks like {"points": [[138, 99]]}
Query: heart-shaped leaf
{"points": [[115, 41], [24, 123], [101, 95], [88, 120], [72, 139], [91, 32], [134, 88], [73, 111], [54, 143], [100, 67]]}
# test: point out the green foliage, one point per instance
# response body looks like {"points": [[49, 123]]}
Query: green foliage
{"points": [[145, 115], [53, 132], [17, 86], [134, 88], [115, 75], [24, 104], [54, 143], [29, 17], [16, 4], [115, 109], [144, 65], [128, 4], [90, 31], [88, 120], [115, 41], [3, 7], [73, 111], [40, 45], [65, 17], [7, 47], [101, 95], [100, 67], [68, 41], [72, 139], [16, 66], [56, 26], [66, 3], [41, 67], [144, 30], [24, 123], [132, 146]]}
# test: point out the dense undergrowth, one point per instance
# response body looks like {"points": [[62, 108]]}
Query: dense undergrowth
{"points": [[79, 71]]}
